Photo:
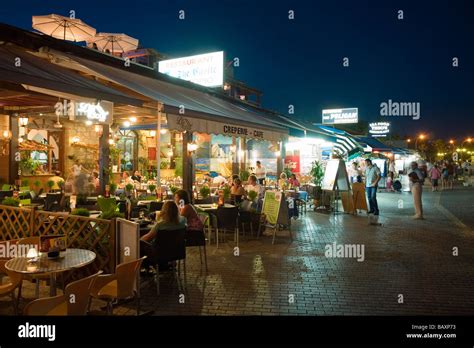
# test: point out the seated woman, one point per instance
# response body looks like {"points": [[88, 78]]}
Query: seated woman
{"points": [[237, 190], [283, 182], [186, 210], [169, 219], [293, 181]]}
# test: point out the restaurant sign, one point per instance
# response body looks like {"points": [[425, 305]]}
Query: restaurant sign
{"points": [[191, 124], [203, 69], [379, 129], [100, 112], [338, 116]]}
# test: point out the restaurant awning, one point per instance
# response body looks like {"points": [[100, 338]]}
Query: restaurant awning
{"points": [[345, 143], [20, 67], [189, 109]]}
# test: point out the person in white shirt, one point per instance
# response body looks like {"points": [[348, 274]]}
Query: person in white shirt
{"points": [[254, 186], [260, 173], [219, 180], [372, 178]]}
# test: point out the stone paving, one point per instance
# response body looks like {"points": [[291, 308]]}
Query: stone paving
{"points": [[405, 257]]}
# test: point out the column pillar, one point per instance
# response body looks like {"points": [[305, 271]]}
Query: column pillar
{"points": [[188, 163], [13, 172], [104, 158]]}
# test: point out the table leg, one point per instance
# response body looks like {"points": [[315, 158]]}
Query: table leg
{"points": [[52, 284]]}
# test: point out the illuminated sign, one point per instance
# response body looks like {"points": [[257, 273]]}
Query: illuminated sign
{"points": [[379, 129], [100, 112], [203, 69], [337, 116]]}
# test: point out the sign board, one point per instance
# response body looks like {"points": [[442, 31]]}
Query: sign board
{"points": [[203, 69], [128, 241], [338, 116], [100, 112], [379, 129], [335, 176], [271, 206], [293, 163]]}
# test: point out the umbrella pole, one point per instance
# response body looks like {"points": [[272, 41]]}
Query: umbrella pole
{"points": [[64, 31]]}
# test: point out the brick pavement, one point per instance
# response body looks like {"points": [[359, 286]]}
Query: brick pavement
{"points": [[403, 256]]}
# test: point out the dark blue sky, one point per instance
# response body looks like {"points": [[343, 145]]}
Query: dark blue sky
{"points": [[299, 62]]}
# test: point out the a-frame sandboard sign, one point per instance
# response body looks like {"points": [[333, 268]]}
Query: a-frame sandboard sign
{"points": [[336, 180], [276, 211]]}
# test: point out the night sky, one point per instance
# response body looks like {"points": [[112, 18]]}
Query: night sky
{"points": [[299, 61]]}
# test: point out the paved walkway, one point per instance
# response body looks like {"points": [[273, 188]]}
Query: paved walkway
{"points": [[404, 257]]}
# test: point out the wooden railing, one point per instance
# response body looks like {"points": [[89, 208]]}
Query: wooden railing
{"points": [[97, 235]]}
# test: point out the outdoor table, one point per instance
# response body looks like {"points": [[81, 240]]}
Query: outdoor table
{"points": [[68, 260], [212, 208]]}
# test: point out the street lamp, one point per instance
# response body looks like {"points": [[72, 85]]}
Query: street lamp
{"points": [[421, 137]]}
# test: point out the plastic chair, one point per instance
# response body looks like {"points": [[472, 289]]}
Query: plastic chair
{"points": [[6, 187], [8, 289], [62, 304], [206, 222], [197, 238], [168, 246], [302, 201], [33, 242], [4, 194], [227, 220], [53, 202], [124, 284], [155, 206]]}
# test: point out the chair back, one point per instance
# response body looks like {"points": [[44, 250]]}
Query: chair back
{"points": [[32, 242], [52, 202], [127, 278], [303, 195], [236, 198], [5, 193], [77, 294], [15, 278], [195, 238], [6, 187], [155, 206], [227, 217], [170, 245], [24, 189]]}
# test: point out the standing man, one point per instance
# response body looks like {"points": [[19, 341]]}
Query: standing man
{"points": [[416, 185], [372, 178], [260, 173]]}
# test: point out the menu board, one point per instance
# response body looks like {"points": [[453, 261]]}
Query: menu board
{"points": [[52, 242], [330, 175], [335, 176], [271, 206]]}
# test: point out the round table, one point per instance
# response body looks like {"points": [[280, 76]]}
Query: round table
{"points": [[69, 260]]}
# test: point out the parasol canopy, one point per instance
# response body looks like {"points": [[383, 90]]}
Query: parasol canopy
{"points": [[65, 28], [113, 42]]}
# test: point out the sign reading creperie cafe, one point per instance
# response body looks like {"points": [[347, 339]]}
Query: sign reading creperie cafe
{"points": [[191, 124], [242, 131]]}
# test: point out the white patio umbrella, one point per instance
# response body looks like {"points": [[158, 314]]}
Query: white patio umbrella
{"points": [[64, 28], [113, 42]]}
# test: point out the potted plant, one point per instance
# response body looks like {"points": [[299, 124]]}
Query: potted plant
{"points": [[129, 189], [61, 185], [174, 189], [152, 188], [226, 193], [37, 185], [113, 188], [81, 212], [244, 175], [11, 201], [317, 173], [25, 182], [252, 196], [50, 184], [204, 191]]}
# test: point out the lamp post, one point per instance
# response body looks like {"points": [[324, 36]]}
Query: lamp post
{"points": [[420, 137]]}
